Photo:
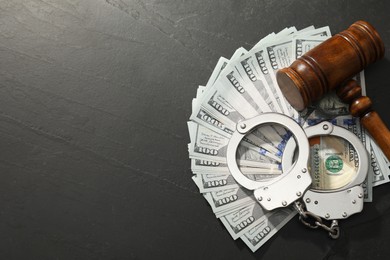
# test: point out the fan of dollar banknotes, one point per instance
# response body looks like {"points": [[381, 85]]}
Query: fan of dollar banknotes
{"points": [[241, 88]]}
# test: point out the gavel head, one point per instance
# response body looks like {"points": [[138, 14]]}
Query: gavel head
{"points": [[329, 64]]}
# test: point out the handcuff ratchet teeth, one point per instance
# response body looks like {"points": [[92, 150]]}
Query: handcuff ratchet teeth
{"points": [[293, 185]]}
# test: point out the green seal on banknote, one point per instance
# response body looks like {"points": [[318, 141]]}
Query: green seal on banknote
{"points": [[334, 164]]}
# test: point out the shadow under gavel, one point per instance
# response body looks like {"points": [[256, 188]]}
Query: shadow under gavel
{"points": [[328, 66]]}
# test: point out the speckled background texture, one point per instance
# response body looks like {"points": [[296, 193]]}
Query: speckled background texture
{"points": [[94, 99]]}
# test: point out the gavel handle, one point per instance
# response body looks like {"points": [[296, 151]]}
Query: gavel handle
{"points": [[361, 106], [378, 131]]}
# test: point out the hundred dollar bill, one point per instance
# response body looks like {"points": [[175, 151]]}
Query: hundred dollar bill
{"points": [[210, 107], [237, 54], [262, 232], [354, 126], [273, 37], [269, 37], [379, 177], [220, 73], [387, 163], [235, 91], [266, 140], [199, 92], [260, 67], [245, 66], [289, 31], [231, 78], [209, 145], [246, 71], [215, 182], [201, 166], [240, 94], [214, 112], [360, 131], [221, 64], [284, 33], [253, 62], [201, 116], [208, 182], [380, 165], [209, 100], [215, 103], [264, 137], [305, 41], [210, 121], [330, 151], [305, 30], [277, 55], [320, 32], [258, 145], [225, 200], [242, 219], [301, 45], [333, 162]]}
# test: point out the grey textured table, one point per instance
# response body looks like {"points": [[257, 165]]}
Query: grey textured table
{"points": [[94, 99]]}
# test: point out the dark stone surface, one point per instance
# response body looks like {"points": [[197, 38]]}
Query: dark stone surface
{"points": [[94, 99]]}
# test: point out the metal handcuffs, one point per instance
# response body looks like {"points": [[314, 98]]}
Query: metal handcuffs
{"points": [[293, 184]]}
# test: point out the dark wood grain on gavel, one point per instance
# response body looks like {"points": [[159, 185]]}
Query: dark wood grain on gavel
{"points": [[329, 64], [361, 106]]}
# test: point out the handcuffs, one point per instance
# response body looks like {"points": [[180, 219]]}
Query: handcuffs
{"points": [[292, 186]]}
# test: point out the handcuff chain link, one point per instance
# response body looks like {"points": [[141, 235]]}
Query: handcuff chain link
{"points": [[304, 216]]}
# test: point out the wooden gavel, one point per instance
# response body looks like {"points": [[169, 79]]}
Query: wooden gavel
{"points": [[331, 65]]}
